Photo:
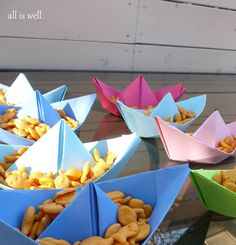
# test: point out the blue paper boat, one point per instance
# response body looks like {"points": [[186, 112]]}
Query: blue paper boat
{"points": [[21, 91], [60, 148], [77, 108], [38, 107], [92, 211], [145, 126]]}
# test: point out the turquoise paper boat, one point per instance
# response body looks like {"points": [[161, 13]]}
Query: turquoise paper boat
{"points": [[145, 126], [92, 212], [21, 91]]}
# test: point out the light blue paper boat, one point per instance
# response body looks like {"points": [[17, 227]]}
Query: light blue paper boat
{"points": [[144, 126], [77, 108], [92, 212], [21, 91], [37, 107], [60, 148]]}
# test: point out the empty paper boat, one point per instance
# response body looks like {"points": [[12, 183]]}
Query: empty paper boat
{"points": [[92, 210], [214, 196], [77, 108], [60, 148], [21, 91], [138, 94], [144, 125], [202, 145]]}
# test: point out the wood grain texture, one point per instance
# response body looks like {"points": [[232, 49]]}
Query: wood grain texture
{"points": [[171, 23], [102, 20], [175, 59], [70, 55]]}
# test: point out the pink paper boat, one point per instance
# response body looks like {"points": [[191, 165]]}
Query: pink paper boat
{"points": [[137, 94], [202, 145]]}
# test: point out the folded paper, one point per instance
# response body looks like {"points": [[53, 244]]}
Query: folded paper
{"points": [[208, 191], [60, 148], [21, 92], [92, 212], [77, 108], [144, 126], [137, 94], [202, 145], [38, 108]]}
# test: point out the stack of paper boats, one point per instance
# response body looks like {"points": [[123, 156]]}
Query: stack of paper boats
{"points": [[137, 94], [202, 145], [38, 107], [91, 212]]}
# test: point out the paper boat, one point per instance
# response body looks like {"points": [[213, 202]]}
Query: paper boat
{"points": [[21, 91], [77, 108], [214, 196], [201, 146], [37, 107], [92, 210], [60, 148], [144, 126], [138, 94]]}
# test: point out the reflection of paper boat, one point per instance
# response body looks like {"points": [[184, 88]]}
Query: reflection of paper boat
{"points": [[144, 126], [138, 94], [92, 210], [110, 126], [202, 145], [21, 92], [60, 148], [77, 108], [214, 196]]}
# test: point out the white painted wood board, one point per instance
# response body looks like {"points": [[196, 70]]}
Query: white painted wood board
{"points": [[169, 23], [230, 4], [178, 59], [102, 20], [20, 53]]}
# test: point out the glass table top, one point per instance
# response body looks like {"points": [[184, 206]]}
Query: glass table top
{"points": [[187, 220]]}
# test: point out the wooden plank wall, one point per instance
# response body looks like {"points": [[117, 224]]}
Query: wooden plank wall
{"points": [[120, 35]]}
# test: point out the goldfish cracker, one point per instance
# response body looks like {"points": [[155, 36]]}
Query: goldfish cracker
{"points": [[52, 241], [144, 231], [136, 203], [16, 181], [147, 210], [96, 154], [51, 208], [33, 232], [112, 230], [126, 215], [45, 221], [46, 182], [97, 240], [28, 220], [113, 195], [62, 181], [73, 174], [66, 198], [85, 172]]}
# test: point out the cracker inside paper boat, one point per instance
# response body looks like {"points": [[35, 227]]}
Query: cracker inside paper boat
{"points": [[164, 186], [143, 124], [138, 94], [202, 146], [21, 91], [60, 148], [208, 190]]}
